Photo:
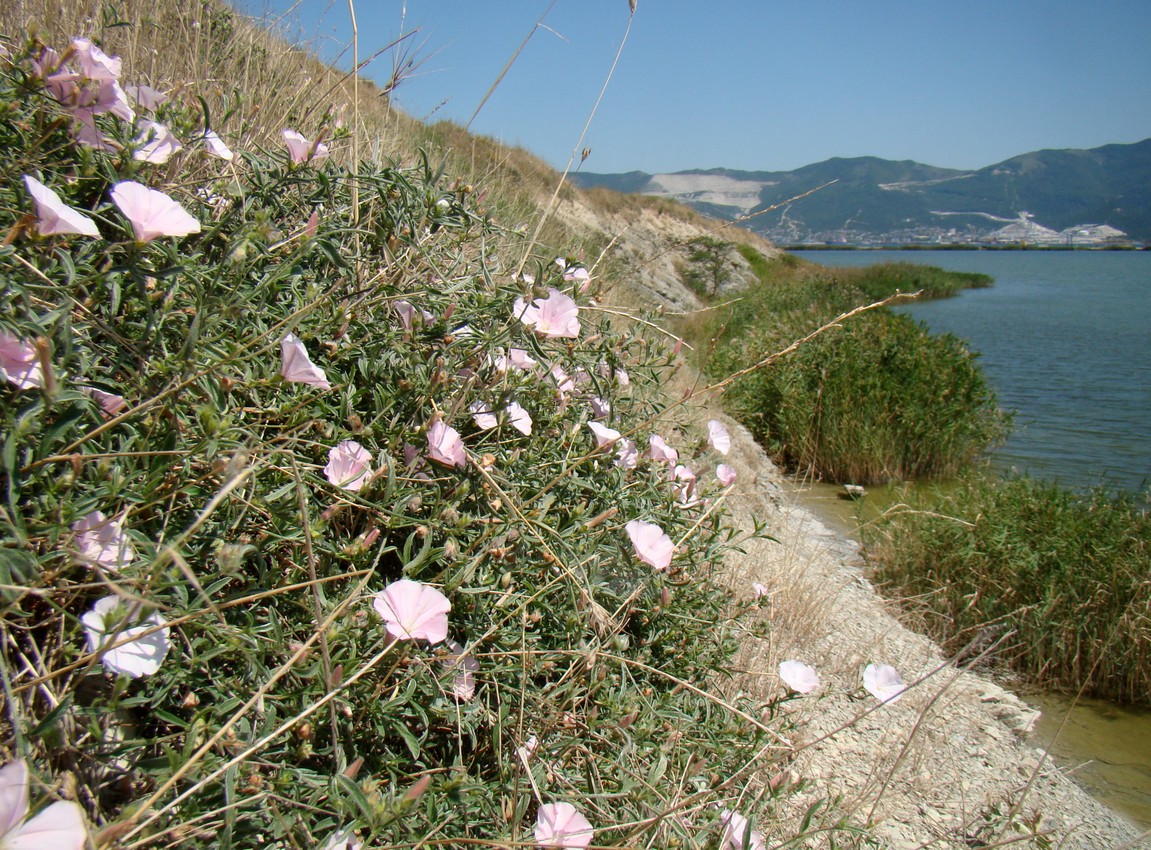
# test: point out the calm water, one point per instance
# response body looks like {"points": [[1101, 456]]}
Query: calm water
{"points": [[1065, 339]]}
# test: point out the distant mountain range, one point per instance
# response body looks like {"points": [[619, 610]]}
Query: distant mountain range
{"points": [[1048, 196]]}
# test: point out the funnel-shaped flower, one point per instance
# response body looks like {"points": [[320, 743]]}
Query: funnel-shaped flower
{"points": [[216, 146], [627, 454], [297, 366], [349, 465], [53, 216], [883, 682], [303, 150], [445, 445], [519, 418], [798, 676], [19, 362], [58, 827], [562, 825], [482, 415], [110, 403], [737, 832], [652, 545], [604, 436], [152, 213], [140, 657], [413, 611], [465, 666], [718, 437], [102, 541], [725, 474], [94, 63], [555, 316], [157, 144], [661, 452]]}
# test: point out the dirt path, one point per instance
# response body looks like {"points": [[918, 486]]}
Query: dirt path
{"points": [[947, 764]]}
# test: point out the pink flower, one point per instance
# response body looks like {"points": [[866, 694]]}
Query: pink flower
{"points": [[157, 144], [409, 315], [725, 474], [94, 63], [759, 590], [343, 839], [516, 358], [519, 418], [20, 363], [600, 407], [622, 378], [564, 383], [297, 366], [651, 545], [302, 150], [102, 541], [737, 834], [87, 133], [718, 437], [313, 223], [687, 489], [562, 825], [445, 445], [661, 451], [482, 415], [604, 436], [146, 97], [110, 403], [466, 665], [152, 213], [627, 454], [53, 216], [413, 611], [883, 682], [60, 826], [217, 148], [105, 625], [349, 465], [554, 316], [798, 676]]}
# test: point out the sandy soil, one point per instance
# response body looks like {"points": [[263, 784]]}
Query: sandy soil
{"points": [[947, 764]]}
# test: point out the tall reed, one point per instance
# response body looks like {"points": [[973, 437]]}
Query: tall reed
{"points": [[1066, 574]]}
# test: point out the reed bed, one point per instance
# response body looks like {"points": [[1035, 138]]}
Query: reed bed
{"points": [[1065, 575]]}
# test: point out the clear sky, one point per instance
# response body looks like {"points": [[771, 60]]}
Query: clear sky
{"points": [[760, 85]]}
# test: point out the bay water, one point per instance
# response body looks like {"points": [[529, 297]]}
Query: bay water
{"points": [[1065, 339]]}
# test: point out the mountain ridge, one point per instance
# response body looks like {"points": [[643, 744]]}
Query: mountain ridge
{"points": [[872, 200]]}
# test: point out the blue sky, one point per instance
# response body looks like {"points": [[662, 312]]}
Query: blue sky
{"points": [[764, 85]]}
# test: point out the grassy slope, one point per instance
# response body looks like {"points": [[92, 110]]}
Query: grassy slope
{"points": [[290, 713]]}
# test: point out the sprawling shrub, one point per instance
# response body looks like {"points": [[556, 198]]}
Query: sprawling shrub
{"points": [[304, 525]]}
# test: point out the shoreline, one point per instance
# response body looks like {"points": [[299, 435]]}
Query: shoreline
{"points": [[942, 761]]}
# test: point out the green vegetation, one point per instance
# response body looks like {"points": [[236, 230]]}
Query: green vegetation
{"points": [[877, 399], [245, 468], [709, 266], [1063, 578]]}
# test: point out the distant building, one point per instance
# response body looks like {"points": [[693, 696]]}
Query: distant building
{"points": [[1093, 234], [1026, 232]]}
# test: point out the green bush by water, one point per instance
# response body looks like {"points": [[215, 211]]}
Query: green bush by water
{"points": [[1068, 575], [877, 399]]}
